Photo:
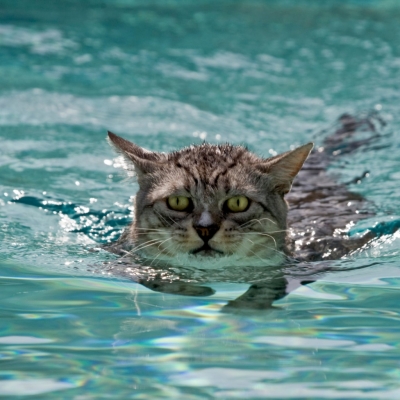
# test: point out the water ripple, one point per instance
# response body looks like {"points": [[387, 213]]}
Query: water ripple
{"points": [[101, 226]]}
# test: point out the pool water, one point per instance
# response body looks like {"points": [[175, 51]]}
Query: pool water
{"points": [[268, 74]]}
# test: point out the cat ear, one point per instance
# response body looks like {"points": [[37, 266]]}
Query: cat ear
{"points": [[144, 161], [283, 168]]}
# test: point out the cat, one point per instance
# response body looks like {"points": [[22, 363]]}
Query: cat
{"points": [[214, 205], [218, 206]]}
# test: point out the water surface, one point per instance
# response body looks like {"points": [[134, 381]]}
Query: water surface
{"points": [[268, 74]]}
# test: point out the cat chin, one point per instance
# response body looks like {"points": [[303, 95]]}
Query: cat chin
{"points": [[220, 261]]}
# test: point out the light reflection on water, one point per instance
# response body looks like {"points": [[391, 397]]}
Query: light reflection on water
{"points": [[123, 332], [167, 75]]}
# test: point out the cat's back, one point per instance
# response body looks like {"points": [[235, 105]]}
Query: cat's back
{"points": [[322, 210]]}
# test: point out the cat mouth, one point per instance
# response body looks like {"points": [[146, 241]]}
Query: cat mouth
{"points": [[206, 250]]}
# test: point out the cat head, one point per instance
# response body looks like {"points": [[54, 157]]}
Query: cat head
{"points": [[211, 204]]}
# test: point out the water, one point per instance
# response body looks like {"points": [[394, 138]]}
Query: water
{"points": [[269, 74]]}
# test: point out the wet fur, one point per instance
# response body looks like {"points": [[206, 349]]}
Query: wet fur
{"points": [[209, 175], [321, 210]]}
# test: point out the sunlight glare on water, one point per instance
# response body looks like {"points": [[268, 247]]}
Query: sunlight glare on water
{"points": [[166, 74]]}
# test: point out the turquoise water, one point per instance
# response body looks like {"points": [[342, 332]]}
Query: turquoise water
{"points": [[270, 74]]}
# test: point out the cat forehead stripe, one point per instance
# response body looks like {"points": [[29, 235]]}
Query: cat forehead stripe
{"points": [[226, 152]]}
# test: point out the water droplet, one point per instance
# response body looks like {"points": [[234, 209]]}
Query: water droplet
{"points": [[272, 152]]}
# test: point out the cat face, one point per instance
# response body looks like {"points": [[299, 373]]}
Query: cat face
{"points": [[211, 204]]}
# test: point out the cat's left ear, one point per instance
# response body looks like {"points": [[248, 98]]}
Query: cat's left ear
{"points": [[143, 160], [283, 168]]}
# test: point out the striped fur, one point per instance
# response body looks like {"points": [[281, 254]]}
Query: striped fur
{"points": [[209, 175]]}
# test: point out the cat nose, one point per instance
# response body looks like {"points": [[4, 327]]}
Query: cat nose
{"points": [[206, 232]]}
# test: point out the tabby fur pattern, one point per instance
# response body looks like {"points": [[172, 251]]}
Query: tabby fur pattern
{"points": [[207, 234]]}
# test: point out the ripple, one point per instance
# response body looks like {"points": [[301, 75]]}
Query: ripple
{"points": [[148, 114], [23, 340], [167, 74], [101, 226], [30, 387], [47, 41]]}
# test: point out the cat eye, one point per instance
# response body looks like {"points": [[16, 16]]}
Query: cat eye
{"points": [[237, 204], [178, 203]]}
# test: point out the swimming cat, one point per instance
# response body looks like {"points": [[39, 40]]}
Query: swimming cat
{"points": [[221, 205], [211, 204]]}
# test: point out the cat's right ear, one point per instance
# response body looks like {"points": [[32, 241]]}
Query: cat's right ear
{"points": [[144, 161]]}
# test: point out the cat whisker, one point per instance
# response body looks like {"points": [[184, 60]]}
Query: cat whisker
{"points": [[262, 259], [161, 250], [267, 247], [270, 248], [150, 229], [145, 244], [141, 244], [166, 240], [260, 234], [266, 234], [162, 218], [282, 230], [166, 251], [257, 220]]}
